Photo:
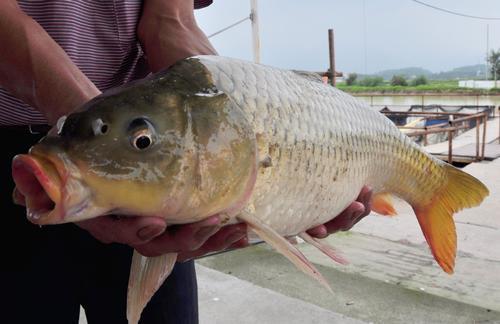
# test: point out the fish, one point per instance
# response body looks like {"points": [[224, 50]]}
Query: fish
{"points": [[271, 148]]}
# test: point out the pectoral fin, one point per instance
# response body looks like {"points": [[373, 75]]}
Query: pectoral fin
{"points": [[283, 246], [146, 276]]}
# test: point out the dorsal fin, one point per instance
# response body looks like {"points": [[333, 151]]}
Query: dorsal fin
{"points": [[311, 76]]}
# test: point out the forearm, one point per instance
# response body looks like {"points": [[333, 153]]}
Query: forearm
{"points": [[35, 69], [168, 32]]}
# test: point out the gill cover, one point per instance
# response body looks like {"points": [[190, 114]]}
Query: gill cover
{"points": [[223, 143]]}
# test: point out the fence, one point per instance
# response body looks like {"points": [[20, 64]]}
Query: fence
{"points": [[456, 121]]}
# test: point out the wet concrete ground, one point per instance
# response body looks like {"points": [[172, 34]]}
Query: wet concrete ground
{"points": [[355, 295]]}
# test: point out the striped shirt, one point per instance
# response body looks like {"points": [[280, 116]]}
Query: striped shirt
{"points": [[100, 38]]}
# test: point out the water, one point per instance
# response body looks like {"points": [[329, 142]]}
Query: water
{"points": [[426, 99]]}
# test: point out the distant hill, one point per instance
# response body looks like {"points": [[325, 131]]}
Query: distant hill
{"points": [[464, 72], [409, 73]]}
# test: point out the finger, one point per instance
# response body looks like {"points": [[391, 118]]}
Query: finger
{"points": [[181, 238], [319, 231], [357, 213], [125, 230], [204, 230], [241, 243], [222, 240], [235, 233], [365, 197], [345, 220]]}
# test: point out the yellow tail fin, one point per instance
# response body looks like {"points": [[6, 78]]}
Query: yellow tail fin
{"points": [[435, 218]]}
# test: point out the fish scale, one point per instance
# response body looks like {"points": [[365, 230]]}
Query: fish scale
{"points": [[313, 188]]}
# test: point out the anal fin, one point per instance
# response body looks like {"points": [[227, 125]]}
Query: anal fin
{"points": [[323, 247], [146, 276], [284, 247], [383, 205]]}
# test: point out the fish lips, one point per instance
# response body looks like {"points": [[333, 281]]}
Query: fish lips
{"points": [[51, 194]]}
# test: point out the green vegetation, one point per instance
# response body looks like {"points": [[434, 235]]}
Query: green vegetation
{"points": [[450, 86], [351, 79], [494, 60], [420, 80], [371, 82], [399, 80]]}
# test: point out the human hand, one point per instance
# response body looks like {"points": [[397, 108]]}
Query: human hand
{"points": [[125, 230], [151, 237], [168, 33], [348, 218], [196, 239]]}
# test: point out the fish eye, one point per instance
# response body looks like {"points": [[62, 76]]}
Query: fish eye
{"points": [[99, 127], [142, 141], [142, 134]]}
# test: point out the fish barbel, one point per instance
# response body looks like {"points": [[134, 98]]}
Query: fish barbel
{"points": [[213, 135]]}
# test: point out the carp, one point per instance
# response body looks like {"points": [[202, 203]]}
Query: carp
{"points": [[275, 149]]}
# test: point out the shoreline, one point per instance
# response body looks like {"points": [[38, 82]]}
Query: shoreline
{"points": [[418, 93]]}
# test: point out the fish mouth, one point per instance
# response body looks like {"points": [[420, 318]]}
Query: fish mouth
{"points": [[51, 193]]}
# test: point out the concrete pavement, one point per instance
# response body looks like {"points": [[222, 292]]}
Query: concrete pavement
{"points": [[225, 299], [355, 294]]}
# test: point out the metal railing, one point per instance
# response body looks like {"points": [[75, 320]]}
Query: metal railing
{"points": [[456, 121]]}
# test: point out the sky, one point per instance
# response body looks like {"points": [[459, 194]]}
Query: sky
{"points": [[370, 35]]}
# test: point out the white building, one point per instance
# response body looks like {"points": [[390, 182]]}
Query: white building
{"points": [[478, 84]]}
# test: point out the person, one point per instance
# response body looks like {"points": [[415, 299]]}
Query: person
{"points": [[55, 56]]}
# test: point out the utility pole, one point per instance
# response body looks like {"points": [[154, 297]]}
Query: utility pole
{"points": [[487, 50], [254, 17], [365, 39], [331, 46]]}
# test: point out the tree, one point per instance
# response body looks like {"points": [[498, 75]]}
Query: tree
{"points": [[420, 80], [398, 80], [351, 79], [371, 81], [494, 61]]}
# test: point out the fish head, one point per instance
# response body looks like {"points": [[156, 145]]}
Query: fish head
{"points": [[171, 146]]}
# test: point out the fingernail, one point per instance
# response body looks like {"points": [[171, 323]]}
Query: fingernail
{"points": [[149, 232], [234, 237]]}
